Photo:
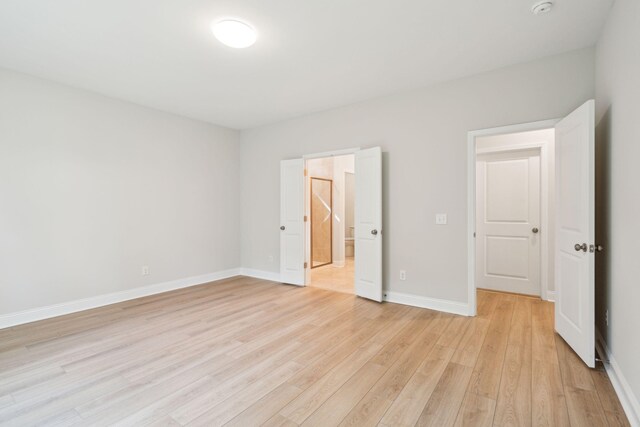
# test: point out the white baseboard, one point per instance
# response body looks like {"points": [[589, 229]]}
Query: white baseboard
{"points": [[551, 296], [628, 399], [447, 306], [260, 274], [34, 314]]}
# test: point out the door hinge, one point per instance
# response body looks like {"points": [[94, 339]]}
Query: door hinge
{"points": [[305, 218], [305, 265], [305, 171]]}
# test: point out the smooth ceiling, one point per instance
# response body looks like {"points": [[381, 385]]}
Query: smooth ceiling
{"points": [[310, 55]]}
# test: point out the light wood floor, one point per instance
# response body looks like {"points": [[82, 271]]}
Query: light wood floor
{"points": [[331, 277], [248, 352]]}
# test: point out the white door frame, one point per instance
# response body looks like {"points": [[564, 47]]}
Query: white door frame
{"points": [[307, 231], [471, 199]]}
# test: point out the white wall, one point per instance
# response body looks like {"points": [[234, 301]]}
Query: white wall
{"points": [[544, 137], [424, 138], [618, 192], [92, 188]]}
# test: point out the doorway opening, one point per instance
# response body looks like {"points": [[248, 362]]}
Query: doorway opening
{"points": [[295, 239], [330, 189], [512, 211]]}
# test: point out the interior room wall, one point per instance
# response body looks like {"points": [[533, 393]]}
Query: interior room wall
{"points": [[423, 135], [92, 189], [618, 196], [546, 137]]}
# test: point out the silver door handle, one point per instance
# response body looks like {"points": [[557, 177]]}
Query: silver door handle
{"points": [[580, 247], [374, 232], [282, 227], [535, 230]]}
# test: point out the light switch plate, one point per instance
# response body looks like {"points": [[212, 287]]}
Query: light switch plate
{"points": [[441, 219]]}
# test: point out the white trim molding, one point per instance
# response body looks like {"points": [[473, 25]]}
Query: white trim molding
{"points": [[447, 306], [41, 313], [551, 296], [628, 399], [260, 274]]}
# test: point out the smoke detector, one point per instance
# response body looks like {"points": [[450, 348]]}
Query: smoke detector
{"points": [[541, 7]]}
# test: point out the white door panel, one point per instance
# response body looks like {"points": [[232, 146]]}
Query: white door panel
{"points": [[368, 223], [575, 225], [292, 221], [508, 203]]}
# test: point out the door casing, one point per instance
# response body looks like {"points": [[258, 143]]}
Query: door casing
{"points": [[471, 202]]}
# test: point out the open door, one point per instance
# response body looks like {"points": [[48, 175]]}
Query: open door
{"points": [[575, 231], [368, 223], [292, 222]]}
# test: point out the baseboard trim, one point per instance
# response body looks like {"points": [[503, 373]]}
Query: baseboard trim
{"points": [[260, 274], [551, 296], [628, 399], [447, 306], [41, 313]]}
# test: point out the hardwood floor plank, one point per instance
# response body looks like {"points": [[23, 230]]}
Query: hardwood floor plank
{"points": [[300, 408], [336, 407], [610, 403], [476, 411], [238, 402], [548, 404], [446, 400], [407, 407], [513, 407], [487, 371], [265, 408], [246, 351], [375, 403]]}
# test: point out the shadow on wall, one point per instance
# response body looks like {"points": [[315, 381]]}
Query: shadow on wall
{"points": [[603, 226]]}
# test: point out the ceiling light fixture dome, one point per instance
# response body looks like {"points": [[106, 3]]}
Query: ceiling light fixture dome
{"points": [[234, 33]]}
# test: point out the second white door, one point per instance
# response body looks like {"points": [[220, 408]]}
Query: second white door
{"points": [[508, 221]]}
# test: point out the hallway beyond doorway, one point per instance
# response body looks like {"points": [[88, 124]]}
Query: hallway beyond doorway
{"points": [[334, 278]]}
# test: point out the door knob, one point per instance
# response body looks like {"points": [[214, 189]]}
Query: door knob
{"points": [[374, 232], [282, 227], [580, 247], [535, 230], [599, 248]]}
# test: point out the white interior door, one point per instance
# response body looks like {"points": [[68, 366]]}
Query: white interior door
{"points": [[508, 221], [292, 221], [368, 223], [575, 231]]}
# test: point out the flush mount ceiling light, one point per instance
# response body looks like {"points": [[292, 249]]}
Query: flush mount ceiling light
{"points": [[542, 7], [234, 33]]}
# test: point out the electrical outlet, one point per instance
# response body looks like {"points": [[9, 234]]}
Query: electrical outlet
{"points": [[606, 317], [145, 270], [403, 275], [441, 219]]}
